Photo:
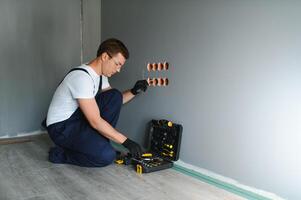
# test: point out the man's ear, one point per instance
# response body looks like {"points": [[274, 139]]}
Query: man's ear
{"points": [[105, 56]]}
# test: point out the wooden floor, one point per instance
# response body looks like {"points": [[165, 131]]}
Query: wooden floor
{"points": [[25, 173]]}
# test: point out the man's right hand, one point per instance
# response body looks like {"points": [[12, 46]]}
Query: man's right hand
{"points": [[133, 147], [139, 86]]}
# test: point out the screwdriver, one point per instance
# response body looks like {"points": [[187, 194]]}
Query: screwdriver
{"points": [[168, 145]]}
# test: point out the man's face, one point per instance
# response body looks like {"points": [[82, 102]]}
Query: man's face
{"points": [[113, 64]]}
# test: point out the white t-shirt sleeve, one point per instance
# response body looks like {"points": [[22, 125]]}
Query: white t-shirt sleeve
{"points": [[105, 83], [81, 85]]}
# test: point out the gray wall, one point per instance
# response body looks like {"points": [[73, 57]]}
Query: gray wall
{"points": [[40, 40], [235, 82], [91, 28]]}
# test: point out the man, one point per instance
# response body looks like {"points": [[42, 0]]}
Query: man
{"points": [[84, 110]]}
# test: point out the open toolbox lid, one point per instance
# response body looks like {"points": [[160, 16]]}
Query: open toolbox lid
{"points": [[164, 139]]}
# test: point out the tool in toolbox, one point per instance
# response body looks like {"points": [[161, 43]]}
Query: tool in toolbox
{"points": [[127, 159], [164, 140]]}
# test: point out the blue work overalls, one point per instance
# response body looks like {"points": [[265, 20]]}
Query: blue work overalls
{"points": [[78, 143]]}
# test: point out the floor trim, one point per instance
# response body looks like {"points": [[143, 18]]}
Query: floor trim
{"points": [[22, 134], [212, 181], [21, 137], [220, 184]]}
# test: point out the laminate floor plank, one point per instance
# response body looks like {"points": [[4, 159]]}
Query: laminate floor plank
{"points": [[26, 174]]}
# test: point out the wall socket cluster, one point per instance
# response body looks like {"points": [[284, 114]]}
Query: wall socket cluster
{"points": [[156, 67]]}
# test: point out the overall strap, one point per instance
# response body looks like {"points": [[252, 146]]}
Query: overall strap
{"points": [[75, 69], [84, 70]]}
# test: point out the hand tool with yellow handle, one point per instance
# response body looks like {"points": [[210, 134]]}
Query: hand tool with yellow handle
{"points": [[146, 155], [119, 162], [168, 151], [167, 154], [123, 159], [168, 145], [139, 169]]}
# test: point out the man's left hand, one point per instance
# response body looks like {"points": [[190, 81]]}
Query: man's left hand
{"points": [[140, 85]]}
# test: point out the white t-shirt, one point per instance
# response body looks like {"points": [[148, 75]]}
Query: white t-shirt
{"points": [[76, 85]]}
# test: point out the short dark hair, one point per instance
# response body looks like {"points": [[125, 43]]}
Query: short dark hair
{"points": [[112, 47]]}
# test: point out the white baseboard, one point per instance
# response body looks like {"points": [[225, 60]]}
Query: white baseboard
{"points": [[225, 182], [24, 134]]}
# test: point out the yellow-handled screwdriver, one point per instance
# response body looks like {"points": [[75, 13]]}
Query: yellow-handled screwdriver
{"points": [[168, 145], [147, 155]]}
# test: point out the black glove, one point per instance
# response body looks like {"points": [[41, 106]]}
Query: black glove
{"points": [[139, 86], [133, 147]]}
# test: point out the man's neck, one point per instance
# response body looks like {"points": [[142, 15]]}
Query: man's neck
{"points": [[96, 66]]}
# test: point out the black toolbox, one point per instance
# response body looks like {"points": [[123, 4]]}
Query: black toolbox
{"points": [[163, 146]]}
